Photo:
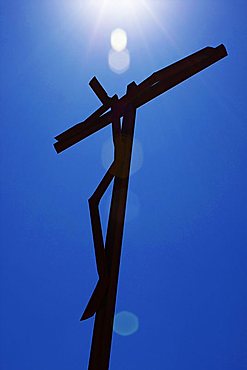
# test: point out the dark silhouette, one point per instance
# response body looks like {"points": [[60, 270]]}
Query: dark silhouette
{"points": [[103, 299]]}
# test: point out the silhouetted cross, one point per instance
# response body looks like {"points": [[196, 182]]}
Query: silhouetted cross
{"points": [[103, 300]]}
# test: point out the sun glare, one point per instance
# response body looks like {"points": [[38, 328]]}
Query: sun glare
{"points": [[113, 17]]}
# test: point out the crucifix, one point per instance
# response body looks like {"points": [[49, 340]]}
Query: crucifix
{"points": [[103, 300]]}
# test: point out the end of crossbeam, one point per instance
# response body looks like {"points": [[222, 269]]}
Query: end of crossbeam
{"points": [[221, 49], [57, 147], [99, 90]]}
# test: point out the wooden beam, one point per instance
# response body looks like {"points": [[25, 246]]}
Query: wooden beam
{"points": [[103, 326], [155, 85]]}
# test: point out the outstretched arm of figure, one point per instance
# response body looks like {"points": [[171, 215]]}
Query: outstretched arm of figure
{"points": [[94, 200]]}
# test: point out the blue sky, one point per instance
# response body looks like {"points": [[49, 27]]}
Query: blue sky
{"points": [[183, 269]]}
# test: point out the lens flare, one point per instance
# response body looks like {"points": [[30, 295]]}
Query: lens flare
{"points": [[125, 323], [119, 61], [118, 39], [107, 154]]}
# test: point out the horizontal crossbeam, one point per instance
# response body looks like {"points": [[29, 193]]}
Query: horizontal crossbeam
{"points": [[155, 85]]}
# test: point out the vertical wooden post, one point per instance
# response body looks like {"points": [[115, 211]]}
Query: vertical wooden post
{"points": [[103, 326]]}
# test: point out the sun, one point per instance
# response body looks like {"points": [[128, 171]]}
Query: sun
{"points": [[125, 14], [116, 6], [116, 9]]}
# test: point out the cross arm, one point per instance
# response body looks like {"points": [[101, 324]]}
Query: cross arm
{"points": [[155, 85], [167, 78]]}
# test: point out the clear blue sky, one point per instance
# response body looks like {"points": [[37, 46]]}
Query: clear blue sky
{"points": [[183, 270]]}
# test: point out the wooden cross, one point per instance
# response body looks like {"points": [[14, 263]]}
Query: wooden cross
{"points": [[103, 300]]}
